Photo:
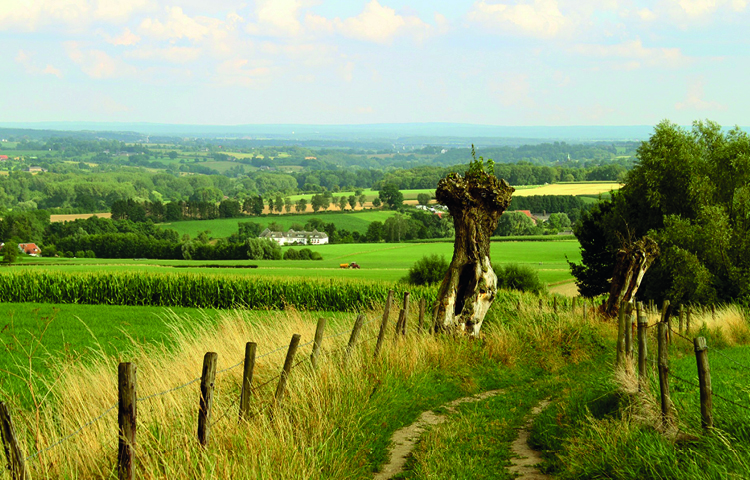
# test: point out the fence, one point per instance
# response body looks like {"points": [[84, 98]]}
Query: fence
{"points": [[128, 401], [665, 336]]}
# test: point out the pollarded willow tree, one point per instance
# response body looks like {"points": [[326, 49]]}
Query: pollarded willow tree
{"points": [[475, 200]]}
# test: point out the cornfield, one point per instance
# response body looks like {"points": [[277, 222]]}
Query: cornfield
{"points": [[199, 291]]}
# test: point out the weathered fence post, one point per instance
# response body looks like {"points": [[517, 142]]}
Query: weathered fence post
{"points": [[713, 312], [406, 313], [399, 325], [704, 379], [681, 327], [629, 333], [620, 334], [422, 306], [666, 321], [247, 379], [319, 331], [573, 306], [208, 380], [126, 420], [355, 334], [288, 363], [687, 321], [554, 304], [664, 372], [16, 459], [540, 305], [384, 323], [642, 345], [583, 300]]}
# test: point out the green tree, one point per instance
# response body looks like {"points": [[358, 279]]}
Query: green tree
{"points": [[423, 198], [428, 270], [10, 253], [301, 205], [391, 196]]}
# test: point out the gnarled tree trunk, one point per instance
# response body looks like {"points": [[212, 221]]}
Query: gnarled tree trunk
{"points": [[633, 261], [476, 202]]}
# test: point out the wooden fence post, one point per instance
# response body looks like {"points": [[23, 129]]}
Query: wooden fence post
{"points": [[406, 313], [384, 323], [247, 379], [288, 363], [355, 334], [399, 325], [642, 345], [583, 301], [540, 305], [554, 304], [664, 373], [208, 379], [16, 459], [704, 379], [573, 307], [687, 321], [681, 327], [713, 312], [665, 320], [422, 306], [629, 333], [319, 331], [126, 420], [620, 334]]}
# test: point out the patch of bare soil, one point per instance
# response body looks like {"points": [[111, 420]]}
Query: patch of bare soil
{"points": [[569, 289], [524, 464], [405, 439]]}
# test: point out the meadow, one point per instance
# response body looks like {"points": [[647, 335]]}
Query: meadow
{"points": [[379, 261]]}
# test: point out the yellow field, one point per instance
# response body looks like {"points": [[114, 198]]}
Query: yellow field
{"points": [[593, 188], [76, 216]]}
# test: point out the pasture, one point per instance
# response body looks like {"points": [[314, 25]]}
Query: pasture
{"points": [[379, 261], [224, 227]]}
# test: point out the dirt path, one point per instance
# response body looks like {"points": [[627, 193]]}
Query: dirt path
{"points": [[406, 438], [526, 458]]}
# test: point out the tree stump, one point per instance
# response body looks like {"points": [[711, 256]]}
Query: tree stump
{"points": [[476, 201]]}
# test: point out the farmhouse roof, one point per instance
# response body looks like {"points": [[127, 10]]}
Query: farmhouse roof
{"points": [[29, 248], [293, 234]]}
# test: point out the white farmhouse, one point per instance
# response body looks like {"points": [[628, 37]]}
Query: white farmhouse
{"points": [[296, 236]]}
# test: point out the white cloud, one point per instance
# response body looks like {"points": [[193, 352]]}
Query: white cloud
{"points": [[542, 18], [347, 71], [632, 54], [25, 59], [380, 24], [277, 18], [170, 54], [126, 38], [698, 8], [31, 15], [646, 15], [176, 26], [97, 63], [694, 99]]}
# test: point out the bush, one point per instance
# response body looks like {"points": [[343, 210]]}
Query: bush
{"points": [[291, 254], [518, 277], [428, 270]]}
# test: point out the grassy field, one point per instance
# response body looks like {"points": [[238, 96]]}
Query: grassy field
{"points": [[379, 261], [224, 227]]}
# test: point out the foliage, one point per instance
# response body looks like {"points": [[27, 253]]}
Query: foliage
{"points": [[428, 270], [9, 252], [391, 196], [519, 277], [689, 191]]}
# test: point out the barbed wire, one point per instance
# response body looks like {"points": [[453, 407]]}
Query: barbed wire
{"points": [[727, 357], [192, 381], [69, 436]]}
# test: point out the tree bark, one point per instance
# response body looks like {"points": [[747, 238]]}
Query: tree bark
{"points": [[633, 261], [476, 202]]}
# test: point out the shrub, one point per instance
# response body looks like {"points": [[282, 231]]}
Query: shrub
{"points": [[518, 277], [428, 270], [291, 254]]}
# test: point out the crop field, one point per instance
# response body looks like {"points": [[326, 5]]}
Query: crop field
{"points": [[379, 261], [224, 227], [575, 188]]}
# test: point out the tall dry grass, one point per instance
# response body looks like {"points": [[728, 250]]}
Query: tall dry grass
{"points": [[318, 430]]}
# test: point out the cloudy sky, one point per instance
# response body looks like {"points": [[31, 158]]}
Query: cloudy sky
{"points": [[497, 62]]}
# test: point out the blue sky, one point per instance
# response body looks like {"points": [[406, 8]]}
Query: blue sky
{"points": [[225, 62]]}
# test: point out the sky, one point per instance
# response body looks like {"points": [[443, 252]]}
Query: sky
{"points": [[507, 63]]}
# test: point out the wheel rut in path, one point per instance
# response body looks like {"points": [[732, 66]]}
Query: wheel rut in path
{"points": [[405, 439], [524, 464]]}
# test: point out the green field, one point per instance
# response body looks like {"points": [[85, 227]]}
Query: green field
{"points": [[379, 261], [223, 227]]}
